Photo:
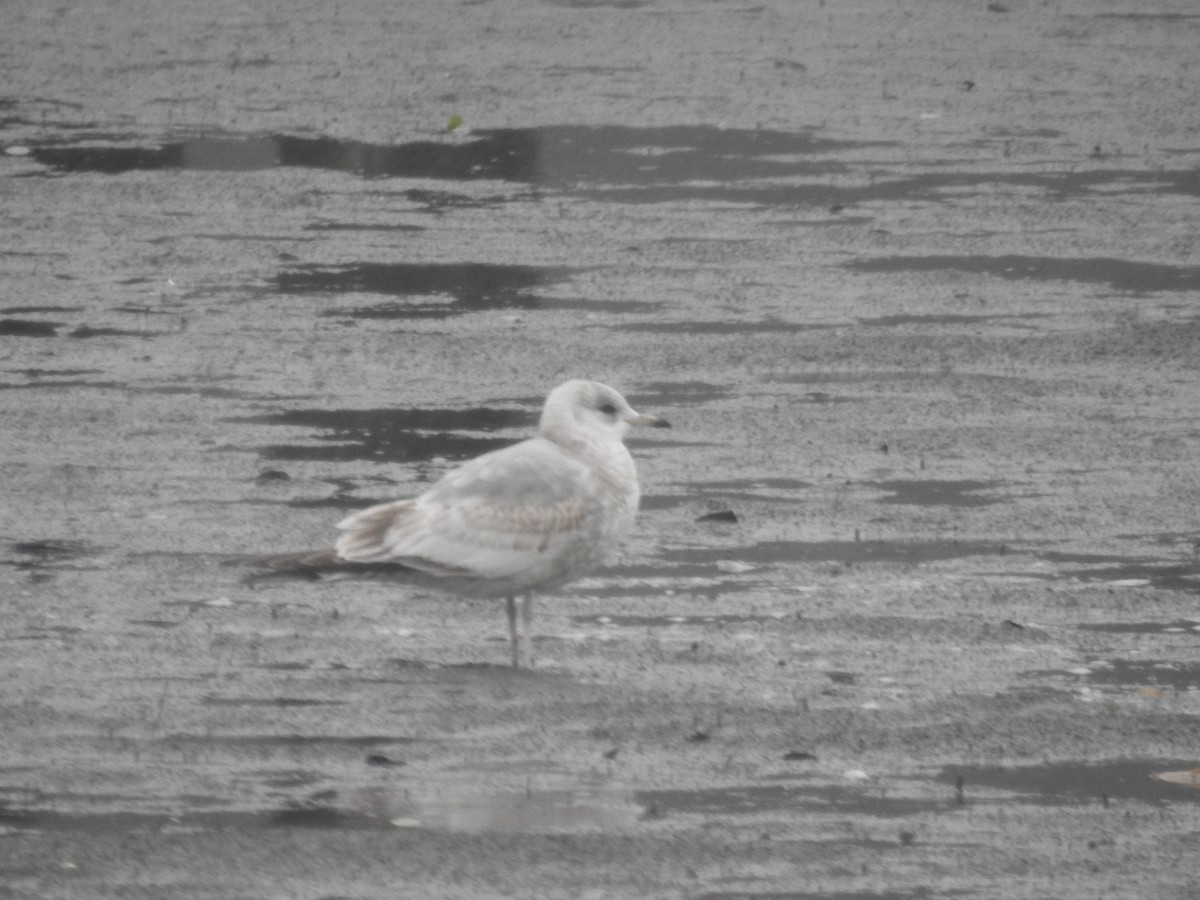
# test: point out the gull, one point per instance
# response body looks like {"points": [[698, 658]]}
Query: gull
{"points": [[528, 517]]}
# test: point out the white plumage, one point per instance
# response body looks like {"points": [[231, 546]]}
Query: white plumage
{"points": [[528, 517]]}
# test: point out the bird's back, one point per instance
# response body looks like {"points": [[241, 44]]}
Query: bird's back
{"points": [[530, 516]]}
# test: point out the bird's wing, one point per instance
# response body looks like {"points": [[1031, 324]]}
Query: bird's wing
{"points": [[494, 517]]}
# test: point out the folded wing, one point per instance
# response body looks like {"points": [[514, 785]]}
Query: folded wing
{"points": [[504, 515]]}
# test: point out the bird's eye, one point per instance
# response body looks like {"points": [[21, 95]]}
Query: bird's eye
{"points": [[608, 409]]}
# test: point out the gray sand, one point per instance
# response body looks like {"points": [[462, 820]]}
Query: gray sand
{"points": [[917, 285]]}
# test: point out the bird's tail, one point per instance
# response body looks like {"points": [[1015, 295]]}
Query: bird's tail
{"points": [[313, 565], [307, 565]]}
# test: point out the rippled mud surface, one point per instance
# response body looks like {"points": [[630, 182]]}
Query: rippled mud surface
{"points": [[910, 610]]}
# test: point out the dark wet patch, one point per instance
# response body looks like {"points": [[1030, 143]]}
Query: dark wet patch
{"points": [[287, 778], [1178, 626], [1143, 673], [1120, 571], [26, 310], [549, 155], [677, 393], [1148, 17], [616, 621], [464, 809], [54, 373], [86, 331], [732, 492], [721, 516], [822, 398], [937, 493], [286, 740], [769, 552], [1094, 559], [195, 391], [897, 320], [919, 893], [239, 237], [288, 666], [719, 326], [281, 702], [837, 219], [66, 383], [393, 435], [337, 501], [856, 377], [439, 201], [657, 501], [1073, 782], [707, 583], [46, 632], [134, 310], [448, 288], [50, 552], [666, 164], [324, 817], [359, 226], [597, 4], [120, 821], [383, 761], [447, 308], [1168, 538], [859, 800], [28, 328], [744, 485], [931, 188], [1119, 274]]}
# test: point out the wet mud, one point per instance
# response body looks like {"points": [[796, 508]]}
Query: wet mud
{"points": [[910, 607]]}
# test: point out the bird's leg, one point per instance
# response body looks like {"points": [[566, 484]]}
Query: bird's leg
{"points": [[510, 607], [527, 636]]}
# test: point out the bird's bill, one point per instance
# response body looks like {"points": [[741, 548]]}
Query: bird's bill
{"points": [[649, 421]]}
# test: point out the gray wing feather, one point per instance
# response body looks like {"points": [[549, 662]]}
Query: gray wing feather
{"points": [[498, 516]]}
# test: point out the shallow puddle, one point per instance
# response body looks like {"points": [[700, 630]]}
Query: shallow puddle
{"points": [[669, 164], [437, 290], [1178, 626], [671, 621], [1118, 274], [1073, 782], [473, 811], [893, 321], [394, 435], [1129, 572], [665, 394], [280, 702], [700, 582], [838, 551], [1120, 573], [1142, 673], [719, 326], [548, 155], [255, 742], [457, 810], [28, 328], [866, 801], [938, 493], [48, 553], [108, 822], [730, 492], [919, 893]]}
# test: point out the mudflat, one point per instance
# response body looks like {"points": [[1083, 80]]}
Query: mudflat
{"points": [[910, 609]]}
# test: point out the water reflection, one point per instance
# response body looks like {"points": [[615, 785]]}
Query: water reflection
{"points": [[681, 163], [550, 155], [475, 811]]}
